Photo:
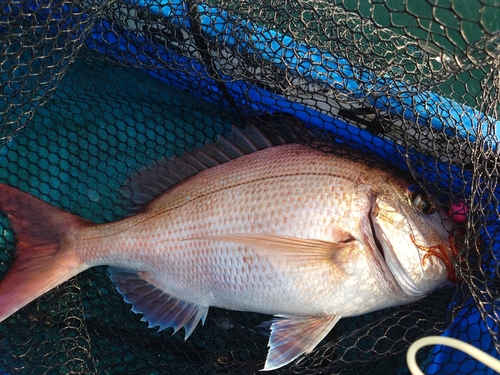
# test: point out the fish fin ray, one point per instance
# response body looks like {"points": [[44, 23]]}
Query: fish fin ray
{"points": [[285, 250], [44, 255], [158, 308], [292, 336], [158, 176]]}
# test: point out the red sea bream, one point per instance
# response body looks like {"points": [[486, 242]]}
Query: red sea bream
{"points": [[305, 236]]}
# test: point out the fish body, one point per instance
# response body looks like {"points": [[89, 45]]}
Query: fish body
{"points": [[289, 231]]}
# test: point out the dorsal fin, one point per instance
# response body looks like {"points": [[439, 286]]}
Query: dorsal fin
{"points": [[160, 175]]}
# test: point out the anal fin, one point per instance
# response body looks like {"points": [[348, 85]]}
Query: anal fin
{"points": [[292, 336], [158, 308]]}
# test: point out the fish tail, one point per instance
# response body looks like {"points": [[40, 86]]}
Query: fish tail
{"points": [[45, 251]]}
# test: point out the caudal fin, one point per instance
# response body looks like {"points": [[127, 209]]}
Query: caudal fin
{"points": [[45, 255]]}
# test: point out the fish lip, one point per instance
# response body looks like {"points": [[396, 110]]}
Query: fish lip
{"points": [[394, 266]]}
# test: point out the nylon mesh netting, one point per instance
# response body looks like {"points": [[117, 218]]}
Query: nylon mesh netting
{"points": [[91, 91]]}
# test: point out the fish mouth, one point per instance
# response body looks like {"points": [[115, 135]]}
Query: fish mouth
{"points": [[393, 265], [378, 245]]}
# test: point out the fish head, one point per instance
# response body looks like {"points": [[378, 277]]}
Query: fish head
{"points": [[409, 231]]}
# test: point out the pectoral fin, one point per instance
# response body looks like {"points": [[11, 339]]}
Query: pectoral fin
{"points": [[292, 336], [283, 250]]}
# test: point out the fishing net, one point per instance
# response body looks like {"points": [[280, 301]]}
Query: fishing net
{"points": [[91, 91]]}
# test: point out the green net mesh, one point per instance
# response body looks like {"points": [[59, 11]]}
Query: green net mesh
{"points": [[91, 91]]}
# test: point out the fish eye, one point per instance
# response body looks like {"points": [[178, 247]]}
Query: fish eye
{"points": [[422, 202]]}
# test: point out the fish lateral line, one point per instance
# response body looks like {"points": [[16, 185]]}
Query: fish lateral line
{"points": [[156, 213], [235, 184]]}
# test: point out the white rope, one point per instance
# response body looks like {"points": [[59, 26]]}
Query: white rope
{"points": [[411, 354]]}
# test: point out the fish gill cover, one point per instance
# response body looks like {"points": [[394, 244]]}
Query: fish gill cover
{"points": [[91, 91]]}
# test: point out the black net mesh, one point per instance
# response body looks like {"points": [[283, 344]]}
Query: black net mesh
{"points": [[91, 91]]}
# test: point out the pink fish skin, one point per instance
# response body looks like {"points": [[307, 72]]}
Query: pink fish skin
{"points": [[290, 231]]}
